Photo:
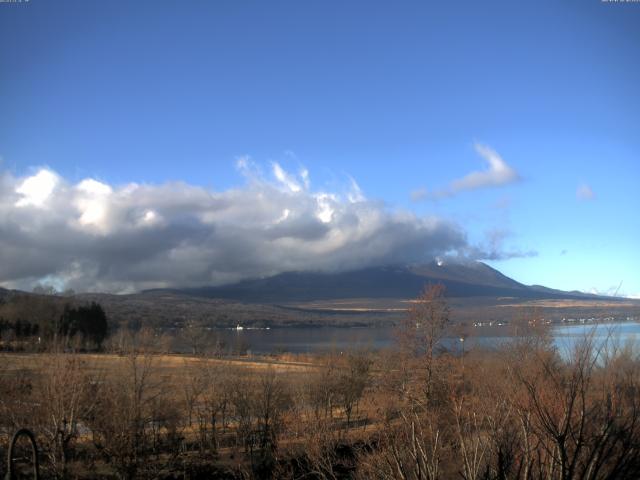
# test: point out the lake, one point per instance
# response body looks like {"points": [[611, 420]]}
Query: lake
{"points": [[322, 339]]}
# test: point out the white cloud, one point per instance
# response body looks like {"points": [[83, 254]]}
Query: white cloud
{"points": [[304, 174], [584, 192], [93, 202], [36, 189], [355, 195], [94, 188], [150, 218], [286, 179], [325, 206], [94, 236], [497, 173]]}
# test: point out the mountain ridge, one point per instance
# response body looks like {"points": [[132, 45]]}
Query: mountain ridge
{"points": [[470, 279]]}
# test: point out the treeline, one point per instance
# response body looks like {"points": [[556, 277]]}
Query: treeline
{"points": [[34, 319]]}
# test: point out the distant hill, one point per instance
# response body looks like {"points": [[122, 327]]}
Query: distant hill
{"points": [[471, 279]]}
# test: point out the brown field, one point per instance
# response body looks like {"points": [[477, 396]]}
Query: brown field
{"points": [[165, 364], [566, 303]]}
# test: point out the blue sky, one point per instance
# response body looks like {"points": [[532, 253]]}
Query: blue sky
{"points": [[399, 97]]}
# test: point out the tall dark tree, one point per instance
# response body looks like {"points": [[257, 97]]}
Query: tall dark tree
{"points": [[89, 321]]}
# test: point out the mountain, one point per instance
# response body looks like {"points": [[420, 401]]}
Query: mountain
{"points": [[470, 279], [370, 296]]}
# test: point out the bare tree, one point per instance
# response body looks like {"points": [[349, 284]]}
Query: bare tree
{"points": [[124, 413], [472, 440], [195, 336], [423, 330], [65, 392], [354, 377], [211, 385], [584, 416], [408, 449]]}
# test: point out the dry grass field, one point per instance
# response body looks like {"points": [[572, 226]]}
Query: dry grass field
{"points": [[522, 411], [140, 414]]}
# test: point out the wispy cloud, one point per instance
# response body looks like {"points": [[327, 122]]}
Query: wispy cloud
{"points": [[584, 192], [419, 194], [494, 247], [497, 173], [288, 180]]}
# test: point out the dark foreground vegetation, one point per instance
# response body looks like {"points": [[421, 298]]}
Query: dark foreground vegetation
{"points": [[33, 321], [416, 412]]}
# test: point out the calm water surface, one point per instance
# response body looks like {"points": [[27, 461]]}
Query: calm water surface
{"points": [[310, 340]]}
